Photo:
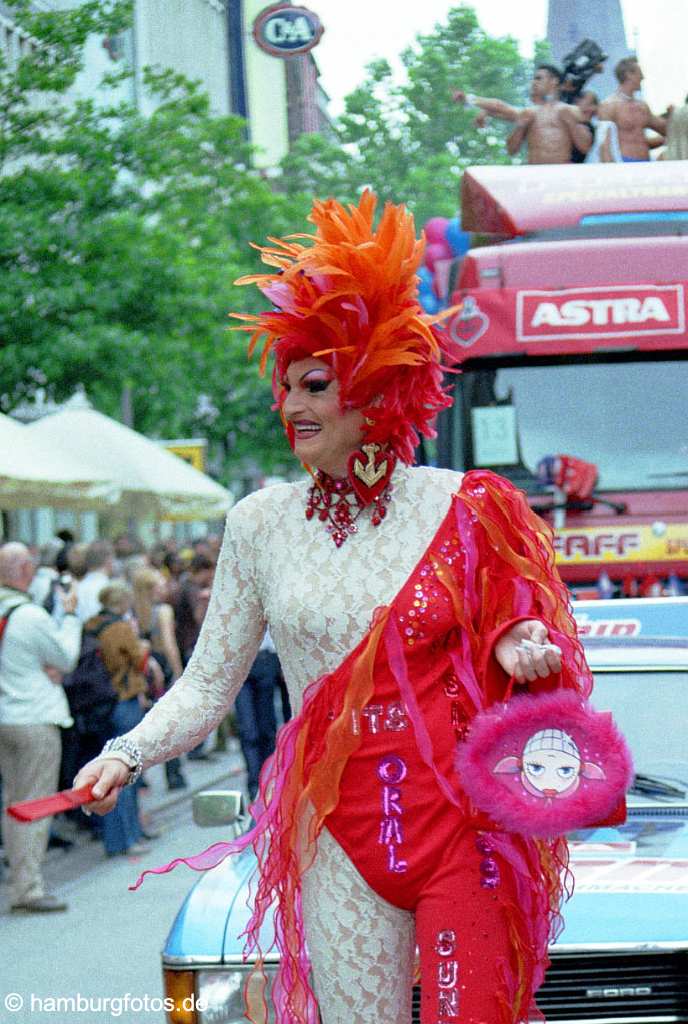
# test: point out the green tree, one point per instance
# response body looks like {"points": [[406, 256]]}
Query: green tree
{"points": [[409, 140], [120, 237]]}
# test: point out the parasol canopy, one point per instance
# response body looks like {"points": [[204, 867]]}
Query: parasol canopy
{"points": [[37, 471], [153, 482]]}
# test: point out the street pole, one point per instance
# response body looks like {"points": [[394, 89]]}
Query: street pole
{"points": [[127, 406], [127, 409]]}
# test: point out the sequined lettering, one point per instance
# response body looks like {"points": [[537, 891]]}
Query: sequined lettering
{"points": [[446, 943], [489, 868], [373, 714], [392, 771], [397, 867], [391, 800], [390, 832], [447, 976], [391, 717], [452, 687], [449, 1004], [395, 719]]}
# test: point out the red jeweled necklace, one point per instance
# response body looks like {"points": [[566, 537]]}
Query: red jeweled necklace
{"points": [[338, 506]]}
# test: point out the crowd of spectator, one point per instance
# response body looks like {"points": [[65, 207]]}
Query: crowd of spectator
{"points": [[560, 128], [93, 635]]}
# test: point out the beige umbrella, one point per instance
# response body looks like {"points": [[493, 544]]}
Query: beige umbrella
{"points": [[154, 483], [36, 472]]}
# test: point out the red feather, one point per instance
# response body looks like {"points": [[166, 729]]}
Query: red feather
{"points": [[352, 292]]}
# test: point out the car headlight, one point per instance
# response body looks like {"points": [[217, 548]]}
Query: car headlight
{"points": [[220, 994]]}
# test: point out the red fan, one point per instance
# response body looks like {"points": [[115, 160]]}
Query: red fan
{"points": [[45, 806]]}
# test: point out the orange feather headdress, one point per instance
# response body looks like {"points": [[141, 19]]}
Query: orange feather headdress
{"points": [[349, 297]]}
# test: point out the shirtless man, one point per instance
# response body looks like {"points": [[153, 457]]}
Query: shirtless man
{"points": [[550, 128], [631, 116]]}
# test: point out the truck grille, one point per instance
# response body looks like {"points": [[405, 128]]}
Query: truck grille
{"points": [[611, 987]]}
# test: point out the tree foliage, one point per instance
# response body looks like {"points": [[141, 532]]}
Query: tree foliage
{"points": [[409, 140], [120, 237]]}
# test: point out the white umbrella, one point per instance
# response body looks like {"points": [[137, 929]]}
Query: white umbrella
{"points": [[35, 471], [153, 481]]}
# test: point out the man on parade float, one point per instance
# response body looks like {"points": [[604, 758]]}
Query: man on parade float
{"points": [[412, 609], [551, 128]]}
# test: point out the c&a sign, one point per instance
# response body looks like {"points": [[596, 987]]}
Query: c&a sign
{"points": [[610, 312], [283, 30]]}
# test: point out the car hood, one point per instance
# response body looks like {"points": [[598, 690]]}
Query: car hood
{"points": [[631, 882], [209, 923], [631, 888]]}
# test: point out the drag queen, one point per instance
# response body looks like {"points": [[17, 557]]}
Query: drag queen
{"points": [[398, 599]]}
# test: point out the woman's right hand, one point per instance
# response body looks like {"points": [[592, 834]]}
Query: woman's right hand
{"points": [[107, 776]]}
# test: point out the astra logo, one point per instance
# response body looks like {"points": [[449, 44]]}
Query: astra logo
{"points": [[600, 312]]}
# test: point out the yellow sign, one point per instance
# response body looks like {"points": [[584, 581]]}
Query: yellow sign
{"points": [[660, 542], [192, 451]]}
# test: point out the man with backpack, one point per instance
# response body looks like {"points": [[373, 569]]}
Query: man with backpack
{"points": [[33, 709]]}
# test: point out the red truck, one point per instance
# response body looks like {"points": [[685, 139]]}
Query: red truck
{"points": [[573, 323]]}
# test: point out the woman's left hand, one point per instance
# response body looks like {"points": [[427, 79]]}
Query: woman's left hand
{"points": [[526, 653]]}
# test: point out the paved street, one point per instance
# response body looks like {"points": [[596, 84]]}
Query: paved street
{"points": [[108, 943]]}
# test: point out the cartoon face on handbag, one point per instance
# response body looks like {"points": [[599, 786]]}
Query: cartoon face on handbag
{"points": [[550, 766], [544, 764]]}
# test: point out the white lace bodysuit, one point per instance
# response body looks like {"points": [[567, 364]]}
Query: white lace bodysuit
{"points": [[278, 568]]}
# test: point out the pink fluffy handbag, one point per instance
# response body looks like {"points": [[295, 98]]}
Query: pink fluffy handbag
{"points": [[545, 764]]}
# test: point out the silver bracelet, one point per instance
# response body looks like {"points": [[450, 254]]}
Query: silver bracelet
{"points": [[121, 743]]}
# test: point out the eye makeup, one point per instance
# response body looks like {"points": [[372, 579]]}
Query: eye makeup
{"points": [[317, 380], [317, 375]]}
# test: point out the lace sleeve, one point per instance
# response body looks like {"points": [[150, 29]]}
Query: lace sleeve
{"points": [[230, 636]]}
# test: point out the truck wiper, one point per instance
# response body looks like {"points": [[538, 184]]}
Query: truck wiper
{"points": [[649, 785], [584, 505]]}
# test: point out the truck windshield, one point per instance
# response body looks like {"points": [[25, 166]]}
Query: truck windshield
{"points": [[629, 418], [658, 749]]}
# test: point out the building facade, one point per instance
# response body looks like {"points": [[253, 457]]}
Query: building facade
{"points": [[282, 96], [209, 41]]}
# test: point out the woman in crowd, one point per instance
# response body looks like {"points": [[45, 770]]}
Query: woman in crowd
{"points": [[155, 618], [126, 658], [398, 599]]}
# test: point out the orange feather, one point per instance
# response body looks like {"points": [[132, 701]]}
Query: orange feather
{"points": [[349, 293]]}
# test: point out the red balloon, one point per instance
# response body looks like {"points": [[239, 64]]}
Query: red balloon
{"points": [[436, 251], [435, 229]]}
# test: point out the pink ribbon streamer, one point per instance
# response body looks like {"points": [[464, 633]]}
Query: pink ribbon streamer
{"points": [[397, 664]]}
